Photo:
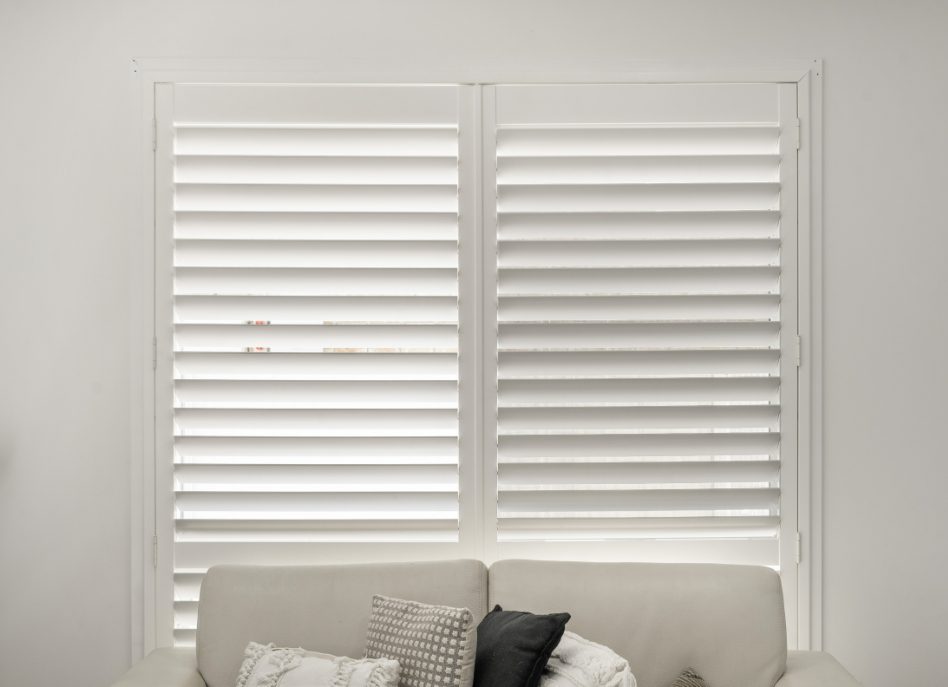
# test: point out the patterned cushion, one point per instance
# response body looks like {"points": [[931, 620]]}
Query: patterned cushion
{"points": [[689, 678], [434, 645], [268, 666]]}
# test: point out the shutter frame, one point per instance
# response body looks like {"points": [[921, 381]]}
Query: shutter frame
{"points": [[673, 227]]}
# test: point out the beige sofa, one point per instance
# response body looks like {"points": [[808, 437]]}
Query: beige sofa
{"points": [[725, 621]]}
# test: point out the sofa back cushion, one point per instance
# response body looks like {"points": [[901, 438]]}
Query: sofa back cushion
{"points": [[320, 608], [725, 621]]}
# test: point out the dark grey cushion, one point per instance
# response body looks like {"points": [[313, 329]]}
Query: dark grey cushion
{"points": [[513, 647]]}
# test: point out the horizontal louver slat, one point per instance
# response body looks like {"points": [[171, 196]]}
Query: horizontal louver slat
{"points": [[308, 338], [605, 141], [296, 254], [287, 281], [548, 475], [670, 308], [232, 169], [316, 450], [671, 418], [231, 423], [657, 197], [311, 141], [517, 529], [317, 226], [329, 478], [315, 310], [315, 395], [329, 365], [632, 444], [630, 392], [642, 169], [617, 500], [648, 336], [315, 198], [614, 254], [319, 531], [636, 364], [259, 505], [659, 280], [200, 555], [665, 226]]}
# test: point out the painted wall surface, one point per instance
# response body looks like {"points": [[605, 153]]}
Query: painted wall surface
{"points": [[69, 194]]}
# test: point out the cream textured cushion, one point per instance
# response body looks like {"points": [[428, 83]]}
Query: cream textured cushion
{"points": [[578, 662], [434, 645], [268, 666]]}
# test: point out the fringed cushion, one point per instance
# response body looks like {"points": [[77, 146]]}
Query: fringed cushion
{"points": [[268, 666]]}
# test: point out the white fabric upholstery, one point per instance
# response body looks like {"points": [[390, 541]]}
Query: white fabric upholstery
{"points": [[178, 668], [725, 621], [322, 608], [164, 668], [815, 669]]}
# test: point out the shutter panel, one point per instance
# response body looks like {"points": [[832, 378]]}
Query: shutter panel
{"points": [[639, 319], [315, 325]]}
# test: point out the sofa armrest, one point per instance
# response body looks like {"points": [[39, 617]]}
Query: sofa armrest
{"points": [[164, 668], [814, 669]]}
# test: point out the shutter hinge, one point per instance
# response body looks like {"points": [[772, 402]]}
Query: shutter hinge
{"points": [[799, 548], [797, 350], [154, 353], [154, 134], [154, 551], [797, 134]]}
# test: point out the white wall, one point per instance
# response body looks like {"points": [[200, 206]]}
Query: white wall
{"points": [[68, 194]]}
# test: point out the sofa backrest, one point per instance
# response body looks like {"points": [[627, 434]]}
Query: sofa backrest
{"points": [[324, 608], [725, 621]]}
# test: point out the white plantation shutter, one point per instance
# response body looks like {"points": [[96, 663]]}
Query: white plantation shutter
{"points": [[313, 326], [399, 322], [645, 272]]}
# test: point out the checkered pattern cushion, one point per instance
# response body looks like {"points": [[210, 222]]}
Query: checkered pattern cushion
{"points": [[434, 645]]}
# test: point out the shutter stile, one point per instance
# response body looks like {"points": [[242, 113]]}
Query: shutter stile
{"points": [[638, 327], [315, 335]]}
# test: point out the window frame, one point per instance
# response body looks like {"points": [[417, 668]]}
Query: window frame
{"points": [[151, 536]]}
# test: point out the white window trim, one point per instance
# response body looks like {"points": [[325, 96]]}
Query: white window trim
{"points": [[806, 74]]}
